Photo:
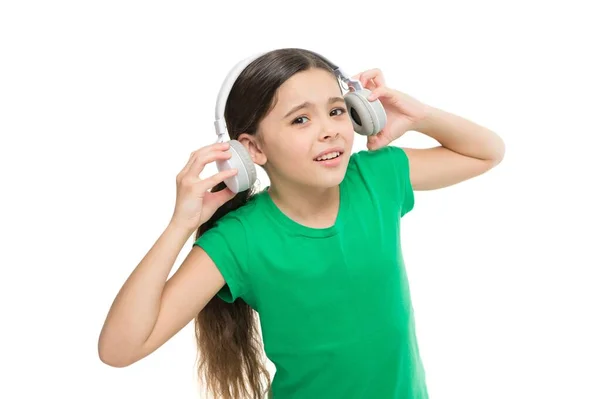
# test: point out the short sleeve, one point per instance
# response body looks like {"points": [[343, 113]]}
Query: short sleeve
{"points": [[227, 245], [390, 168], [400, 164]]}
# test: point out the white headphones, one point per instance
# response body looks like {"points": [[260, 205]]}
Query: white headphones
{"points": [[368, 118]]}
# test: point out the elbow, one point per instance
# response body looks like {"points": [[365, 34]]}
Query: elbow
{"points": [[496, 154], [113, 360], [500, 150], [113, 356]]}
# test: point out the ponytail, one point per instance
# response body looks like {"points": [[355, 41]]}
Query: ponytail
{"points": [[227, 336], [227, 333]]}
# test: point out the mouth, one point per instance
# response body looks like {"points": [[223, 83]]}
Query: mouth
{"points": [[328, 155]]}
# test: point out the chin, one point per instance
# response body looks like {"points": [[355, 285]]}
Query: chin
{"points": [[327, 177]]}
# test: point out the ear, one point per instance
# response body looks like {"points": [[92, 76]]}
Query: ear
{"points": [[254, 147]]}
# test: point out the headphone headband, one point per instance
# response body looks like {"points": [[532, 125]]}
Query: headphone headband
{"points": [[220, 126], [234, 73]]}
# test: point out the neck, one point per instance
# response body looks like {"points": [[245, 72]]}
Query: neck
{"points": [[309, 206]]}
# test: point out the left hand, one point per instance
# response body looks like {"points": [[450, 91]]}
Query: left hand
{"points": [[403, 111]]}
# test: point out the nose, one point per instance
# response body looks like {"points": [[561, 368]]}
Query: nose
{"points": [[329, 136], [329, 131]]}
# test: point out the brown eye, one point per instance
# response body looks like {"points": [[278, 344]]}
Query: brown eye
{"points": [[298, 120]]}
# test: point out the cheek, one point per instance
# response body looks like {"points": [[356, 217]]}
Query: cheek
{"points": [[295, 145], [347, 131], [287, 153]]}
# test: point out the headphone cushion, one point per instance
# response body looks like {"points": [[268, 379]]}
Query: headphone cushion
{"points": [[244, 162], [368, 117]]}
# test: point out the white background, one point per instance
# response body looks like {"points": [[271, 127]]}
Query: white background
{"points": [[102, 102]]}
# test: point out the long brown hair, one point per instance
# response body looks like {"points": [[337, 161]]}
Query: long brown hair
{"points": [[229, 348]]}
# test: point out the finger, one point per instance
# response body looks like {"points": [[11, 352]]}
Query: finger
{"points": [[374, 75], [379, 92], [209, 148], [187, 165], [217, 178], [376, 141], [366, 83], [193, 155], [369, 85], [373, 145], [201, 160], [371, 140], [220, 197]]}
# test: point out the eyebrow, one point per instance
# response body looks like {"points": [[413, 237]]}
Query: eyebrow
{"points": [[308, 104]]}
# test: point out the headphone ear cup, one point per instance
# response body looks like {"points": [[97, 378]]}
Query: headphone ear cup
{"points": [[242, 161], [368, 117]]}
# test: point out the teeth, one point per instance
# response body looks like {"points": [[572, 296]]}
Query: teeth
{"points": [[331, 155]]}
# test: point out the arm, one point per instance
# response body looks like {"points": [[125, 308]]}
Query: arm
{"points": [[148, 311], [467, 150]]}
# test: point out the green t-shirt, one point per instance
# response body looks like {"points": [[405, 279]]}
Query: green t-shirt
{"points": [[334, 303]]}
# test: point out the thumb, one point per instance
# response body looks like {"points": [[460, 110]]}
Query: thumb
{"points": [[378, 92], [379, 140], [373, 142], [221, 197], [215, 200]]}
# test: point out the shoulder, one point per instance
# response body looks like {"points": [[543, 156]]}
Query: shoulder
{"points": [[380, 157], [237, 222], [381, 164], [386, 171], [229, 242]]}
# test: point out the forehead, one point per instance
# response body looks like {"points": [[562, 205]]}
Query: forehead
{"points": [[314, 85]]}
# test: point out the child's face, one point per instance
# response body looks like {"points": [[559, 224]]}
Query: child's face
{"points": [[294, 137]]}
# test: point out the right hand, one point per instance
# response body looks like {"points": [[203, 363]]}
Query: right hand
{"points": [[195, 204]]}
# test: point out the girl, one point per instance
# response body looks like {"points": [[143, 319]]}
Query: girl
{"points": [[316, 254]]}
